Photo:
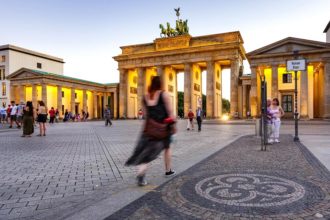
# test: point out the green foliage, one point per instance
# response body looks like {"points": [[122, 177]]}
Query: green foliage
{"points": [[225, 106], [180, 104]]}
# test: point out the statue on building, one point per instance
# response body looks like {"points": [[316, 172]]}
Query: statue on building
{"points": [[181, 27]]}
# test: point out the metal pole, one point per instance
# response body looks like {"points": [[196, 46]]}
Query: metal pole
{"points": [[296, 138]]}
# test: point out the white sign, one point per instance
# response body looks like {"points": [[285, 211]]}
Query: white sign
{"points": [[296, 65]]}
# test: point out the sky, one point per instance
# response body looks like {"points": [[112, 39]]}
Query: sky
{"points": [[87, 34]]}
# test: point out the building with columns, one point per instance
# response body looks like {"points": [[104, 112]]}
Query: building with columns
{"points": [[63, 92], [313, 84], [12, 58], [166, 57]]}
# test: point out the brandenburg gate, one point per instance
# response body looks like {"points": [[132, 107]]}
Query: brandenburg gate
{"points": [[168, 56]]}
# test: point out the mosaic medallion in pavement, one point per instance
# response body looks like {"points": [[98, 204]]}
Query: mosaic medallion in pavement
{"points": [[240, 182]]}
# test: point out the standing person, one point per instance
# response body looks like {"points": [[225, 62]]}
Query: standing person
{"points": [[66, 116], [3, 114], [107, 115], [51, 115], [8, 113], [19, 114], [277, 113], [42, 118], [140, 114], [199, 114], [13, 115], [57, 116], [156, 135], [28, 120], [190, 120], [269, 122]]}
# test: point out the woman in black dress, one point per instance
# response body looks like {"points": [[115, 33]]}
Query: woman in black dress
{"points": [[156, 135], [28, 120]]}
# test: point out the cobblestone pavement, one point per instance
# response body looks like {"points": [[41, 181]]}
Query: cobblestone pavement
{"points": [[241, 182], [77, 165]]}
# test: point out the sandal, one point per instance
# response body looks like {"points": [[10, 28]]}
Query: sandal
{"points": [[39, 135]]}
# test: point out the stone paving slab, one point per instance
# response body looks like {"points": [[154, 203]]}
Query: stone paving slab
{"points": [[241, 182]]}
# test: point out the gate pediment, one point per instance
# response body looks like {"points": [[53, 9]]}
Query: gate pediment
{"points": [[288, 45]]}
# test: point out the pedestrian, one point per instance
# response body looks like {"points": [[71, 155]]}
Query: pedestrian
{"points": [[13, 115], [156, 136], [28, 120], [66, 116], [277, 113], [19, 114], [199, 114], [87, 115], [190, 120], [57, 116], [8, 113], [140, 114], [269, 122], [42, 118], [107, 115], [51, 115], [3, 114]]}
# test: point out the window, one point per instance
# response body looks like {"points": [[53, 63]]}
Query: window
{"points": [[287, 103], [75, 95], [62, 94], [39, 65], [4, 88], [2, 74], [3, 58], [287, 78]]}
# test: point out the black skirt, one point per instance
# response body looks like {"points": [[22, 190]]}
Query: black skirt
{"points": [[42, 118], [147, 150]]}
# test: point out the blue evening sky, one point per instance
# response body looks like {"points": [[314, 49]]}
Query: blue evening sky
{"points": [[87, 34]]}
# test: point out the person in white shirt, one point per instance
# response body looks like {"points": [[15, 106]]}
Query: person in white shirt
{"points": [[3, 114], [13, 114], [199, 115]]}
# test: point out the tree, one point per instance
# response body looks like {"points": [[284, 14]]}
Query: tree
{"points": [[180, 104], [225, 106]]}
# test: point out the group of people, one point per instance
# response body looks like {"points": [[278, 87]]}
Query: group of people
{"points": [[13, 114], [191, 116], [69, 116], [274, 115]]}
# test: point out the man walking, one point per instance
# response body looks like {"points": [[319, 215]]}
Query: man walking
{"points": [[199, 114], [13, 113], [107, 115], [190, 120]]}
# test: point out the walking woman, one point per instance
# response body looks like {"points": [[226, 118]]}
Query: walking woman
{"points": [[28, 120], [42, 118], [277, 112], [156, 136]]}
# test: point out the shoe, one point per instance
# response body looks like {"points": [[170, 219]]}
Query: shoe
{"points": [[270, 141], [44, 134], [10, 126], [170, 173], [277, 141], [188, 129], [141, 180]]}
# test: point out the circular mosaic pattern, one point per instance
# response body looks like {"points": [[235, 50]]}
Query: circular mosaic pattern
{"points": [[250, 190]]}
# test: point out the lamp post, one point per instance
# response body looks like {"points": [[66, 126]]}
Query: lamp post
{"points": [[296, 138]]}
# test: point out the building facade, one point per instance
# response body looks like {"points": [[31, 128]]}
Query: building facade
{"points": [[166, 57], [13, 58]]}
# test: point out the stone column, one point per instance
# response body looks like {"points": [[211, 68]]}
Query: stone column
{"points": [[123, 93], [95, 104], [34, 96], [303, 94], [22, 93], [44, 94], [12, 94], [115, 104], [73, 101], [210, 89], [84, 100], [274, 81], [326, 83], [234, 72], [187, 88], [244, 94], [59, 99], [140, 86], [253, 92], [161, 73]]}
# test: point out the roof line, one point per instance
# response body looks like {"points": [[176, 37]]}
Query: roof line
{"points": [[327, 28]]}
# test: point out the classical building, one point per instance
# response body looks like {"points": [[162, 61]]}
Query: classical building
{"points": [[12, 58], [313, 84], [168, 56], [35, 76]]}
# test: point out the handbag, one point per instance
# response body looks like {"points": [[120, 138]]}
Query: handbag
{"points": [[156, 130]]}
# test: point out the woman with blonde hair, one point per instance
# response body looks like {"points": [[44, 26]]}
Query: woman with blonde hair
{"points": [[277, 113]]}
